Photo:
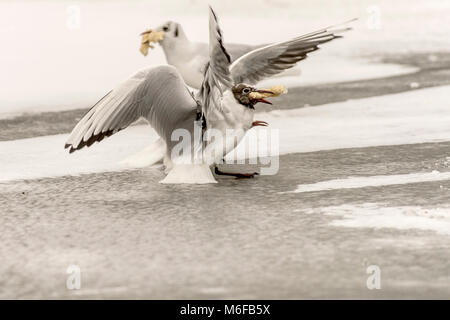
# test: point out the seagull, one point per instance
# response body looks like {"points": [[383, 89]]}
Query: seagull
{"points": [[224, 102]]}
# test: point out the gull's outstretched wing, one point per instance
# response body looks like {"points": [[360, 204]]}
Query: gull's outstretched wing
{"points": [[272, 59], [237, 50], [157, 94], [220, 60], [217, 75]]}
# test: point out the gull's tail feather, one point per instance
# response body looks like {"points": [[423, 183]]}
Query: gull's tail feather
{"points": [[190, 174]]}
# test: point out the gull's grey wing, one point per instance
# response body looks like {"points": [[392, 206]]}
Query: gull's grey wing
{"points": [[217, 75], [275, 58], [157, 94], [237, 50], [220, 60]]}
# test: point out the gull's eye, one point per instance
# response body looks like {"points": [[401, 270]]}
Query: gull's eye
{"points": [[246, 90], [165, 28]]}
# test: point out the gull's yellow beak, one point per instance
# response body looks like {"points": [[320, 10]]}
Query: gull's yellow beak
{"points": [[149, 36]]}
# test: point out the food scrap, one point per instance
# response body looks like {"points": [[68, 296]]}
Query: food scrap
{"points": [[276, 91], [148, 37]]}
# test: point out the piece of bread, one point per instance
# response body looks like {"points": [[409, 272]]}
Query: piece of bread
{"points": [[276, 91], [148, 37]]}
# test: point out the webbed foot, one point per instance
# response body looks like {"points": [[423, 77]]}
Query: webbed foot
{"points": [[235, 174]]}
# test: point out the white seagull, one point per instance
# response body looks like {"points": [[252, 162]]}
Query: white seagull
{"points": [[224, 101]]}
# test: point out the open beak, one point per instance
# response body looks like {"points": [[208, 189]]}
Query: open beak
{"points": [[264, 92]]}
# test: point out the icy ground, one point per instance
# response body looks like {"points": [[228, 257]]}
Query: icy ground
{"points": [[135, 238]]}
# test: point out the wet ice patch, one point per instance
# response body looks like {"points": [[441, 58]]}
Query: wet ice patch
{"points": [[372, 181], [373, 215]]}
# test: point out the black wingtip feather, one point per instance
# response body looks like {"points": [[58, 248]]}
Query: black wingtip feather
{"points": [[222, 47], [212, 11], [95, 138]]}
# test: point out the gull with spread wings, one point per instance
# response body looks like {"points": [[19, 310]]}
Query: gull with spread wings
{"points": [[225, 101], [190, 57]]}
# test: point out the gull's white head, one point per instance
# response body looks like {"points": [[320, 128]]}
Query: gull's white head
{"points": [[167, 35]]}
